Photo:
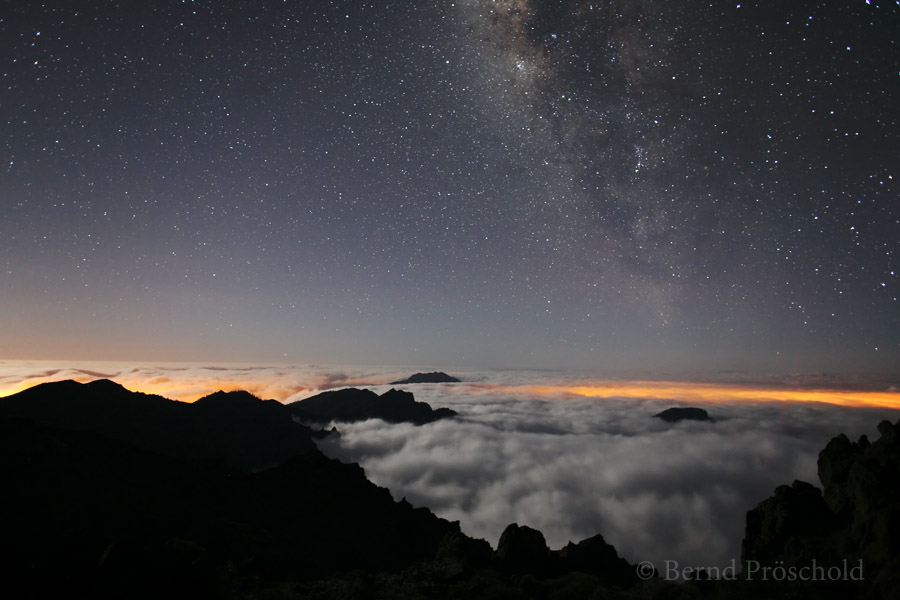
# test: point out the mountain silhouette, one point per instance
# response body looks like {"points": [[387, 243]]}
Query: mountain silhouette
{"points": [[675, 414], [111, 493], [434, 377], [352, 404], [234, 427]]}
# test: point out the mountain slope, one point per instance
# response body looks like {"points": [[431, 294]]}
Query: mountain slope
{"points": [[86, 513]]}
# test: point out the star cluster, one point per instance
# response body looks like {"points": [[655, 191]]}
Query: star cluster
{"points": [[623, 184]]}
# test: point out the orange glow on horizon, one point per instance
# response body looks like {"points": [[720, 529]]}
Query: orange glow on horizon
{"points": [[713, 393], [188, 385]]}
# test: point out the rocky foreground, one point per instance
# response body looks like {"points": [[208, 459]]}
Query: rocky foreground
{"points": [[111, 493], [855, 522]]}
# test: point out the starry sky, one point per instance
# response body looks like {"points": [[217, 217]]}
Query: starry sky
{"points": [[630, 185]]}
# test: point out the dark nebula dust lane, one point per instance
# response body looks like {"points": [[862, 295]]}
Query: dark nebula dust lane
{"points": [[511, 183]]}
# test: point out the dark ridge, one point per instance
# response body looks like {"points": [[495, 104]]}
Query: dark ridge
{"points": [[435, 377], [352, 404], [236, 428], [673, 415]]}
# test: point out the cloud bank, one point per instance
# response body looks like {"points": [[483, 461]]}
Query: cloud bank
{"points": [[560, 452], [576, 467]]}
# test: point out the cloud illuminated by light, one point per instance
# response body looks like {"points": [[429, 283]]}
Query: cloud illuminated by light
{"points": [[709, 393], [189, 381]]}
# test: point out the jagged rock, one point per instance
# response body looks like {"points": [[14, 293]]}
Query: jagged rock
{"points": [[890, 434], [457, 553], [835, 462], [596, 557], [857, 516], [352, 404], [323, 433], [795, 518], [434, 377], [522, 549], [872, 494], [673, 415]]}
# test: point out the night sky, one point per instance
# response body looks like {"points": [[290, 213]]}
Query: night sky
{"points": [[637, 185]]}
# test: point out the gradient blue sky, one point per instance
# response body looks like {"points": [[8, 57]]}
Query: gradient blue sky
{"points": [[613, 186]]}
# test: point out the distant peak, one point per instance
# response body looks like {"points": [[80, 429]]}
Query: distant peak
{"points": [[433, 377], [687, 413]]}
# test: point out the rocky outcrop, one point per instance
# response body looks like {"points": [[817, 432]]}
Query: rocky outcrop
{"points": [[857, 517], [522, 550], [795, 522], [458, 554], [595, 556], [434, 377], [675, 414], [352, 404], [862, 489]]}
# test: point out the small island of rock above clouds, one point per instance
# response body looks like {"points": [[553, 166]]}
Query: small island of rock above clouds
{"points": [[673, 415], [435, 377]]}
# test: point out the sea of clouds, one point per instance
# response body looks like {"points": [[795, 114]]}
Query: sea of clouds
{"points": [[568, 465], [574, 467]]}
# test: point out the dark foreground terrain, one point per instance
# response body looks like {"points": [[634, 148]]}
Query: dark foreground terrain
{"points": [[109, 493]]}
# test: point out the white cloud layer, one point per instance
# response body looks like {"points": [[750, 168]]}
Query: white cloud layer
{"points": [[576, 467]]}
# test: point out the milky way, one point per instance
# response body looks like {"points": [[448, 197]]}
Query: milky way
{"points": [[683, 186]]}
